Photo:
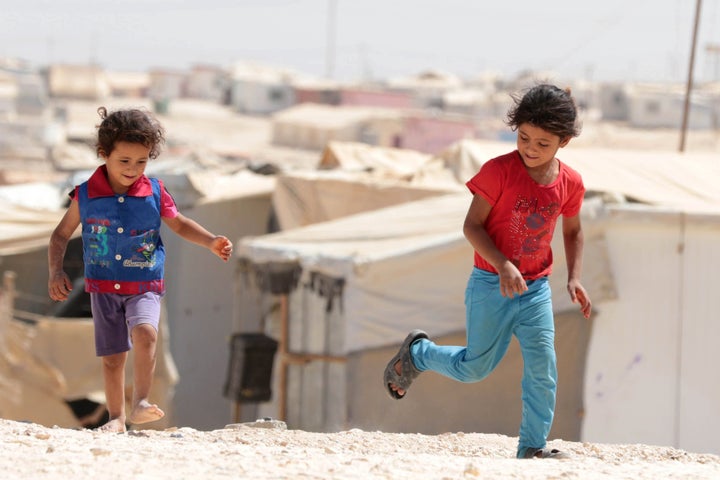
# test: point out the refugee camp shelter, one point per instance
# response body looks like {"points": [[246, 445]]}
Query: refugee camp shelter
{"points": [[257, 89], [311, 126], [354, 177], [87, 82], [362, 283], [344, 293], [200, 287], [657, 106]]}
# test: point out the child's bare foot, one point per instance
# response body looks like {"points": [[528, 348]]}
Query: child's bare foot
{"points": [[115, 425], [145, 412]]}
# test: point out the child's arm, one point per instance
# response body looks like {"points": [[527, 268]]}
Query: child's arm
{"points": [[59, 284], [511, 280], [574, 241], [193, 232]]}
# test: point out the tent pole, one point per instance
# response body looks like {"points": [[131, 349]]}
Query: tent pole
{"points": [[283, 355], [236, 411], [9, 286]]}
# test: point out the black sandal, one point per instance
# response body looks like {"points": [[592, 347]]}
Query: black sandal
{"points": [[545, 453], [409, 372]]}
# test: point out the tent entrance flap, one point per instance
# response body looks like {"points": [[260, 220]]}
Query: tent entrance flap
{"points": [[274, 277]]}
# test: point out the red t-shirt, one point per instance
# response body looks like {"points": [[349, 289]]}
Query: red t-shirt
{"points": [[523, 215]]}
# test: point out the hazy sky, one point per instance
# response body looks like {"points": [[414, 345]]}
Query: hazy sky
{"points": [[601, 40]]}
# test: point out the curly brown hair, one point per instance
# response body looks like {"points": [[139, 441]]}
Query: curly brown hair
{"points": [[129, 125], [548, 107]]}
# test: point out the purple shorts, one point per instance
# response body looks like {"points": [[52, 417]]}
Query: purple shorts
{"points": [[116, 315]]}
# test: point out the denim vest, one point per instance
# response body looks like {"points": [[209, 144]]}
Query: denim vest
{"points": [[122, 249]]}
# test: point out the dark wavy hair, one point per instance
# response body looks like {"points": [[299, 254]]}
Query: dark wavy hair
{"points": [[129, 125], [548, 107]]}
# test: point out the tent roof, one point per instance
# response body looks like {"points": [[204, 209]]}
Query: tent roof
{"points": [[395, 266], [686, 182], [386, 163], [673, 182], [676, 182], [25, 229], [361, 156], [683, 181], [28, 226], [335, 247]]}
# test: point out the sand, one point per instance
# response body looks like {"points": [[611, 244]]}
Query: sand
{"points": [[255, 451]]}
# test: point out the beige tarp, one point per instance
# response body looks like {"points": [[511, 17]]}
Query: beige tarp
{"points": [[312, 126], [683, 181], [354, 178], [304, 198], [384, 163], [45, 361], [404, 267], [368, 279], [391, 162], [24, 229]]}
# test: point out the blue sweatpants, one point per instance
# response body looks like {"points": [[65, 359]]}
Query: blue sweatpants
{"points": [[491, 321]]}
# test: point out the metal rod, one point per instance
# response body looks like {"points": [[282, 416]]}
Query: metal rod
{"points": [[284, 363], [688, 89]]}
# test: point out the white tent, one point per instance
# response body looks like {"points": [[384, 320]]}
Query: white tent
{"points": [[200, 290], [386, 259], [25, 229], [653, 353], [312, 126], [353, 178], [365, 281]]}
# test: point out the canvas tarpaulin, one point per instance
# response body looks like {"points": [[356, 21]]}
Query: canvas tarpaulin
{"points": [[404, 267], [683, 181], [24, 229], [356, 285]]}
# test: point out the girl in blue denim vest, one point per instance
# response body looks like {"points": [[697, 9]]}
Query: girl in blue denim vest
{"points": [[121, 210]]}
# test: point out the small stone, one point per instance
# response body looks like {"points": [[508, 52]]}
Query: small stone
{"points": [[266, 422], [100, 452]]}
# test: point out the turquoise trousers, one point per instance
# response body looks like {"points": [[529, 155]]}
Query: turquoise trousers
{"points": [[491, 321]]}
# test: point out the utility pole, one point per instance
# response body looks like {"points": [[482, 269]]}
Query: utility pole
{"points": [[330, 47], [688, 88]]}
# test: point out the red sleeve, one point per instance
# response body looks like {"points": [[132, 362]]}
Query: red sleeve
{"points": [[576, 193], [168, 209], [487, 182]]}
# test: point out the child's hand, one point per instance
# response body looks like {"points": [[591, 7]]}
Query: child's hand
{"points": [[511, 280], [222, 247], [579, 295], [59, 286]]}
